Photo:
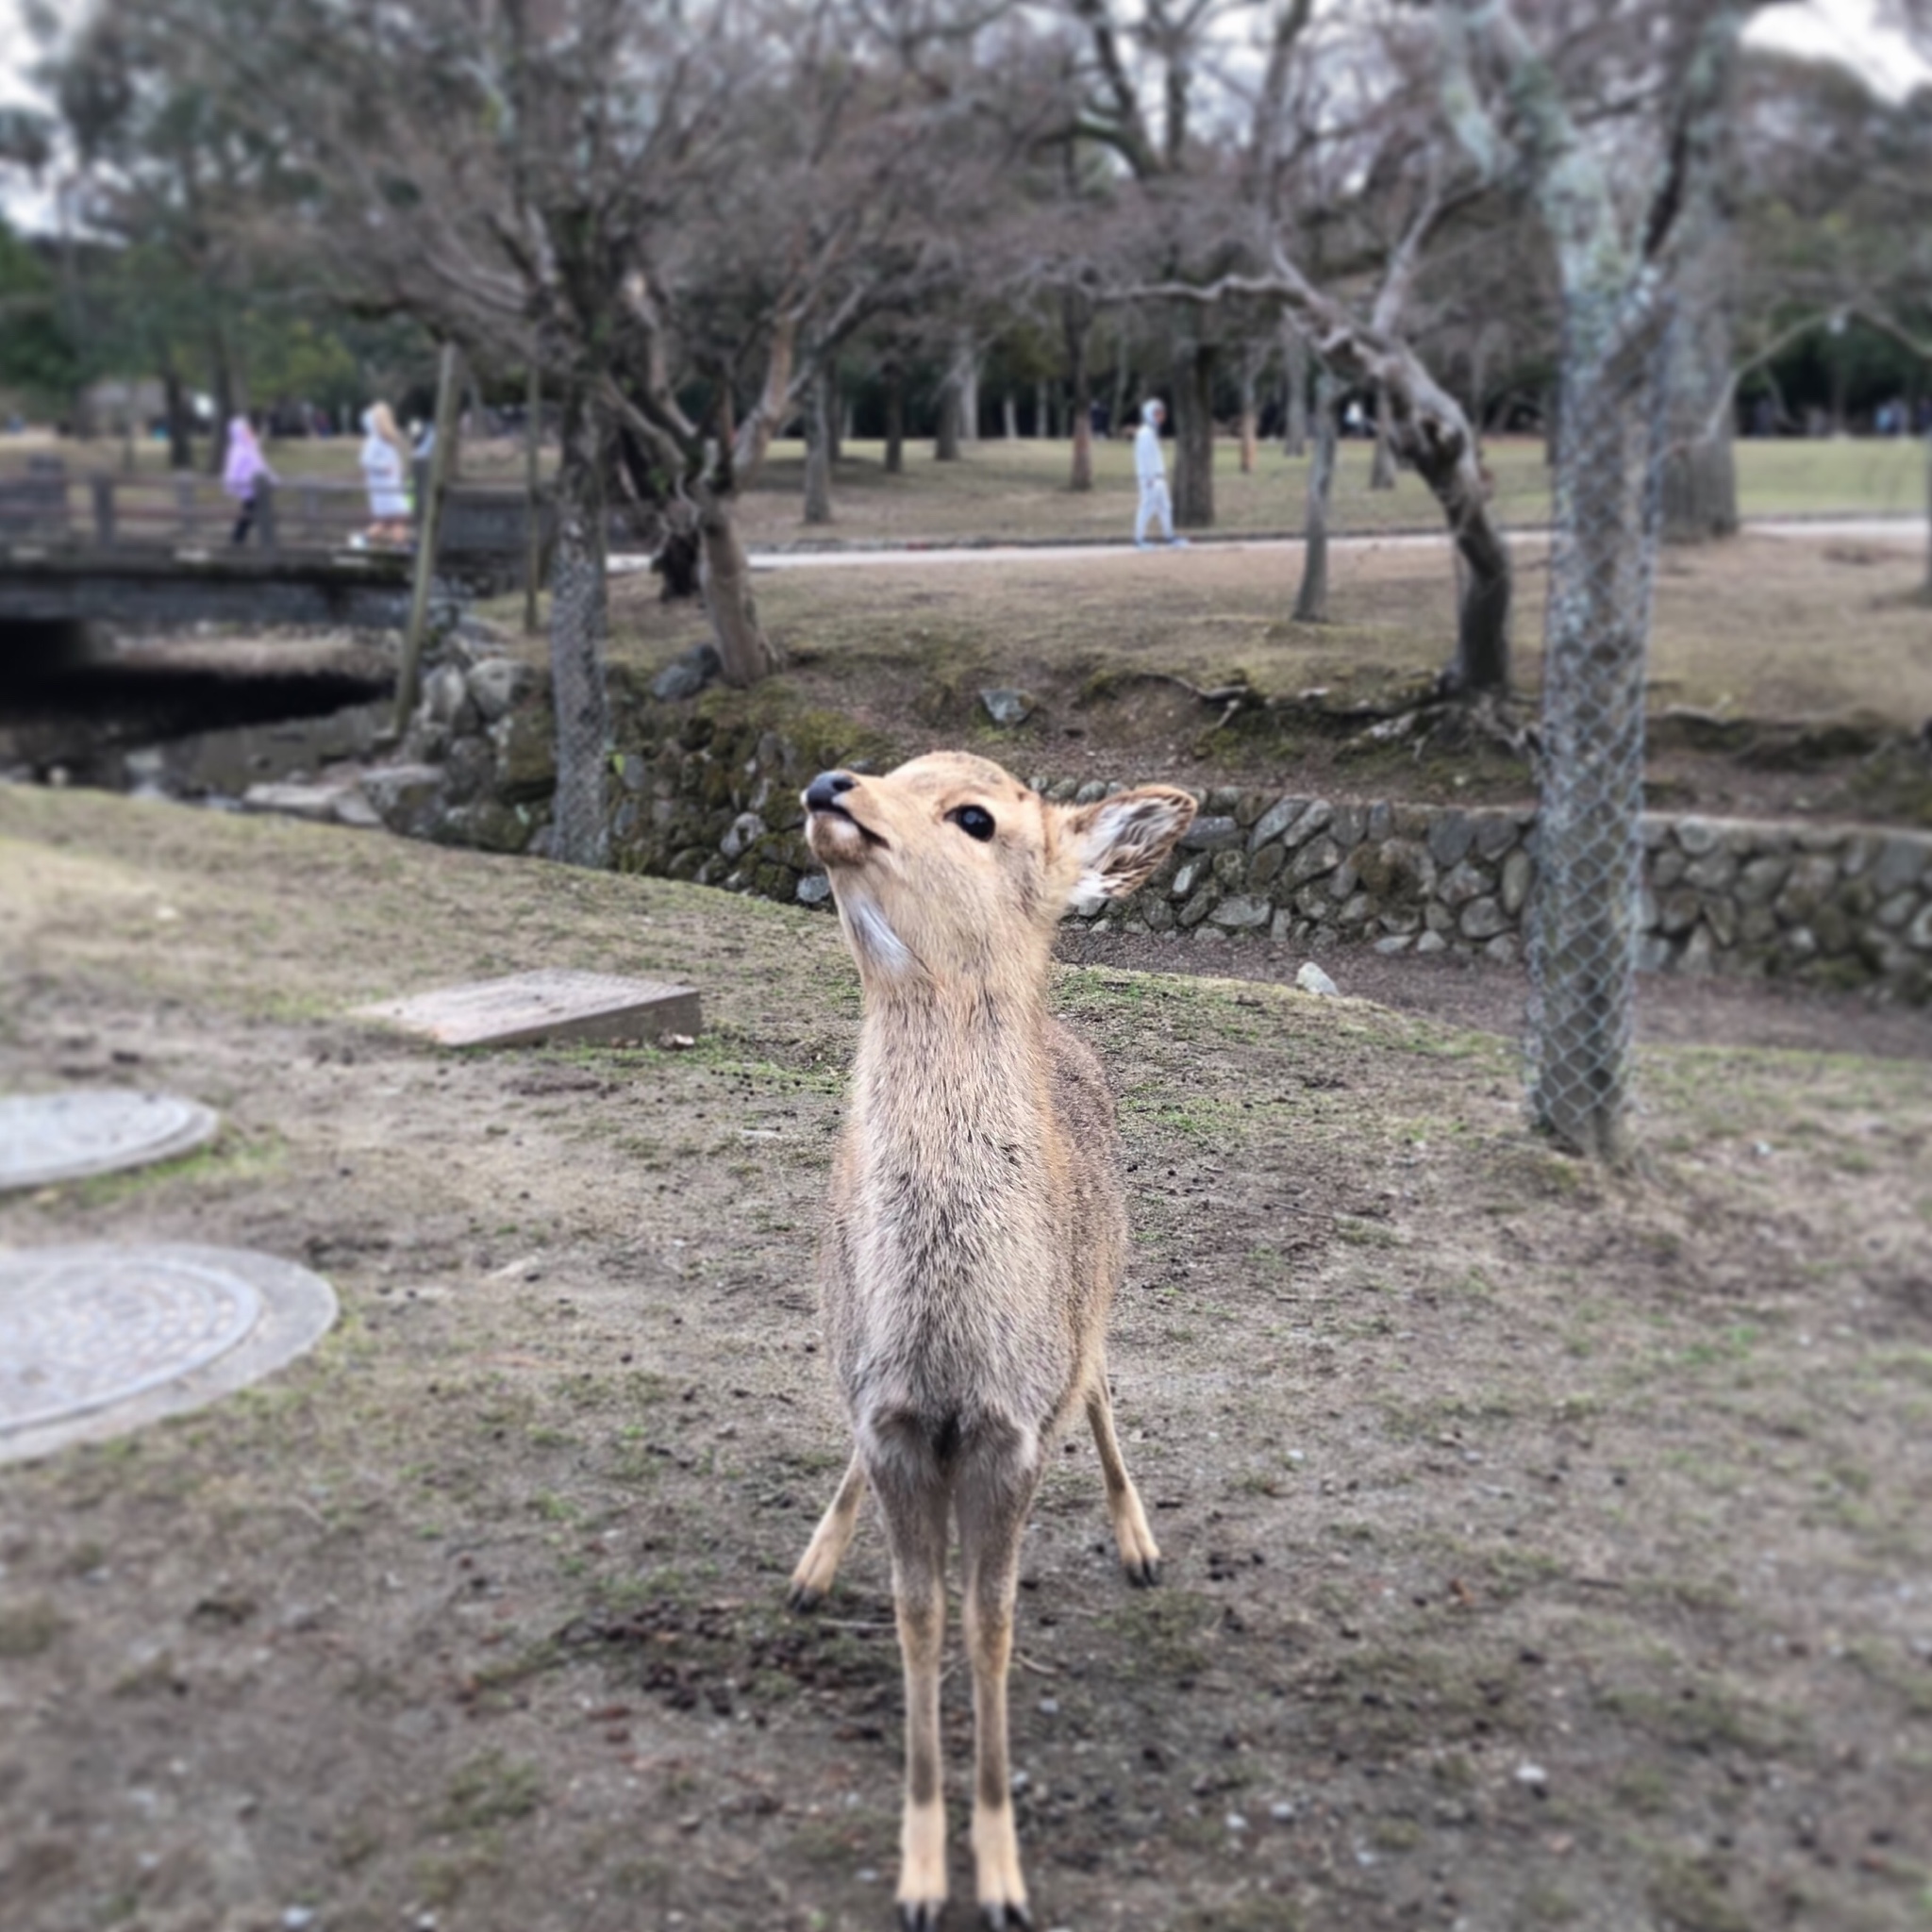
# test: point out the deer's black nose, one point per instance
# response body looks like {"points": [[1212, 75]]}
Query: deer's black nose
{"points": [[822, 794]]}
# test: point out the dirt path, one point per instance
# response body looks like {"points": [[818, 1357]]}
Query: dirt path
{"points": [[1543, 1550]]}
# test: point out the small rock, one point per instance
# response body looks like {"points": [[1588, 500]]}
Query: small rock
{"points": [[1236, 1822], [1534, 1775], [297, 1918], [1008, 708], [1049, 1707], [1312, 979], [814, 888], [1282, 1814], [688, 675]]}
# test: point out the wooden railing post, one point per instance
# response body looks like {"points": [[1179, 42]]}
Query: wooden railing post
{"points": [[428, 527], [533, 535], [104, 512], [265, 512]]}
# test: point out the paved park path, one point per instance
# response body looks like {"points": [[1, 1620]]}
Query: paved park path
{"points": [[1905, 533]]}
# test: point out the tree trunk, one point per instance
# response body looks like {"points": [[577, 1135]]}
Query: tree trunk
{"points": [[818, 452], [834, 413], [181, 422], [969, 391], [1194, 425], [744, 649], [1700, 478], [1294, 368], [895, 420], [1311, 601], [952, 430], [1251, 413], [1382, 464], [1010, 417], [1584, 927], [1928, 516], [1082, 478], [1122, 390], [580, 833]]}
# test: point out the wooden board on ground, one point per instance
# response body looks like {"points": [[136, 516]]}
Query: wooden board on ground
{"points": [[550, 1004]]}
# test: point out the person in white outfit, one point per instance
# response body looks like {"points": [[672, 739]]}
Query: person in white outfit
{"points": [[1150, 468]]}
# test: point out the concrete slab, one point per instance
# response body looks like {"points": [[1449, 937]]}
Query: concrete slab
{"points": [[99, 1339], [49, 1137], [548, 1004]]}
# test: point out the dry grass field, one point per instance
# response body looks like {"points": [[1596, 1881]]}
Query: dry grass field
{"points": [[1545, 1549]]}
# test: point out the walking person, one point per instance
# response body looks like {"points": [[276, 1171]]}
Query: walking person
{"points": [[243, 473], [1150, 468], [384, 456]]}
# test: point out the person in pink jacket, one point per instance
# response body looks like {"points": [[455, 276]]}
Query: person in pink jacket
{"points": [[244, 473]]}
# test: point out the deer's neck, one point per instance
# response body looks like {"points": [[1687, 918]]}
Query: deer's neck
{"points": [[948, 1065]]}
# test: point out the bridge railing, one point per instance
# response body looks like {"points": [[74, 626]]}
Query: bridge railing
{"points": [[45, 507]]}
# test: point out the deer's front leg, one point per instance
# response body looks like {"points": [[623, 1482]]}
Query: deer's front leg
{"points": [[995, 1490], [912, 1496]]}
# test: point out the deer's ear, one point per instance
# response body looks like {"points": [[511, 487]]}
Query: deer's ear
{"points": [[1121, 839]]}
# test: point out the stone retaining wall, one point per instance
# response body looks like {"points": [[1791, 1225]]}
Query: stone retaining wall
{"points": [[697, 797]]}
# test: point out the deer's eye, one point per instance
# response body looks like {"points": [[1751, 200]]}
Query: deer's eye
{"points": [[974, 820]]}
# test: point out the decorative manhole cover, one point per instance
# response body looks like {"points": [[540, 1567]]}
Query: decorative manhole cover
{"points": [[46, 1138], [94, 1341]]}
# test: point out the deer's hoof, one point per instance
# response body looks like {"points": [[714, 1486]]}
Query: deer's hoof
{"points": [[801, 1600], [1145, 1573], [1005, 1917], [920, 1914]]}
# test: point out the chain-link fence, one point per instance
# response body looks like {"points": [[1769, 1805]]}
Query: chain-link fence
{"points": [[580, 831], [1584, 922]]}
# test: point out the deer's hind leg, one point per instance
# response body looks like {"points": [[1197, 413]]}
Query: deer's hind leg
{"points": [[1139, 1554], [812, 1580], [992, 1492]]}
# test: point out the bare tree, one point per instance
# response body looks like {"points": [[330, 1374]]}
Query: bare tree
{"points": [[1615, 261]]}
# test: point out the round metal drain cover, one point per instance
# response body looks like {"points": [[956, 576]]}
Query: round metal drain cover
{"points": [[97, 1339], [46, 1138]]}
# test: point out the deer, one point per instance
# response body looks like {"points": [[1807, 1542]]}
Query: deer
{"points": [[976, 1234]]}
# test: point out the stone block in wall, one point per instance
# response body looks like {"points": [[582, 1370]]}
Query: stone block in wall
{"points": [[1438, 917], [1266, 865], [1463, 882], [1230, 870], [1200, 906], [1653, 952], [1495, 833], [1809, 885], [1501, 949], [1249, 807], [488, 826], [1667, 868], [1348, 825], [1712, 872], [1482, 919], [1210, 835], [1399, 872], [1721, 915], [814, 888], [746, 829], [1676, 912], [469, 769], [498, 685], [1755, 924], [1399, 919], [1700, 951], [1156, 913], [409, 799], [1276, 820], [1342, 882], [1760, 880], [1243, 913], [1310, 863], [1189, 876], [1450, 835], [1899, 862], [1919, 933], [1431, 942], [525, 741], [1381, 821], [1696, 837], [1396, 943], [1518, 873], [1355, 911], [1310, 822]]}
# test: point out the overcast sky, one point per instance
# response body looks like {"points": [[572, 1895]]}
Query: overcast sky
{"points": [[1847, 30]]}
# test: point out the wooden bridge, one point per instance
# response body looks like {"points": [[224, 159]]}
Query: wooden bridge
{"points": [[159, 551]]}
